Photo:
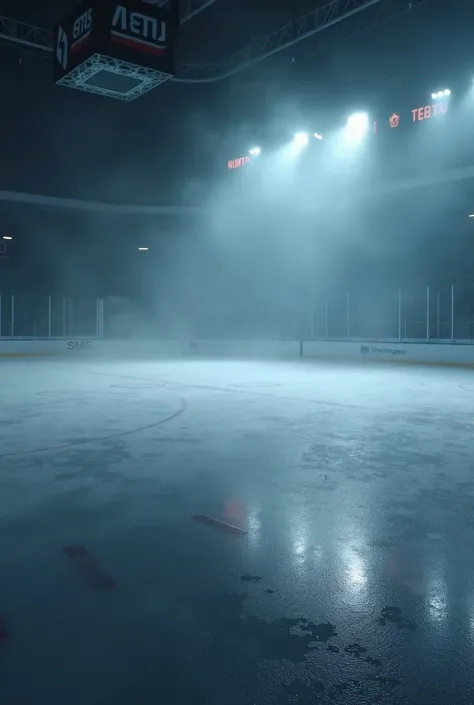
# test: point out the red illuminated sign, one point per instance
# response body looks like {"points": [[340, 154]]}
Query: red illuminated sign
{"points": [[236, 163], [428, 111], [423, 113], [394, 120]]}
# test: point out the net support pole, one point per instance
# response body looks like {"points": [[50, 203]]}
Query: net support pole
{"points": [[399, 313], [64, 316], [49, 316], [427, 313], [348, 315], [12, 317], [326, 311], [70, 317], [438, 317], [452, 313]]}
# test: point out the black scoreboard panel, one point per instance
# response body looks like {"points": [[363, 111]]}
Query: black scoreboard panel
{"points": [[119, 49]]}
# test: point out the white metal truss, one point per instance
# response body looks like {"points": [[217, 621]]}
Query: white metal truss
{"points": [[294, 32], [191, 7], [33, 37], [283, 38], [25, 34], [143, 79]]}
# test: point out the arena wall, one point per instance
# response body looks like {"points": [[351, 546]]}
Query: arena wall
{"points": [[421, 353]]}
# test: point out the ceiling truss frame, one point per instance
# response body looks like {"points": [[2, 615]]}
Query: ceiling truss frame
{"points": [[313, 22], [191, 7]]}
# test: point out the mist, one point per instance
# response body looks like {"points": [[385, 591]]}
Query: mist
{"points": [[314, 244]]}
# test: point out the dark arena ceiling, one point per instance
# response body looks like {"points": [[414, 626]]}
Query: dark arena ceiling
{"points": [[224, 36], [169, 145]]}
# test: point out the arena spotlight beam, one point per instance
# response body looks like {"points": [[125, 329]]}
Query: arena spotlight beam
{"points": [[357, 126], [301, 139]]}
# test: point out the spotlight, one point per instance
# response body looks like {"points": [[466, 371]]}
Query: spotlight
{"points": [[7, 237], [358, 122], [143, 249], [255, 151], [301, 139], [441, 94], [318, 136], [356, 128], [471, 215]]}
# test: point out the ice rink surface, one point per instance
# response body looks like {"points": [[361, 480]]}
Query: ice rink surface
{"points": [[354, 583]]}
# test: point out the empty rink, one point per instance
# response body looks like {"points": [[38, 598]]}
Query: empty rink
{"points": [[353, 584]]}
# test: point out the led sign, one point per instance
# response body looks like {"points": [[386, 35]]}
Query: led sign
{"points": [[392, 122], [416, 115], [429, 111], [237, 163]]}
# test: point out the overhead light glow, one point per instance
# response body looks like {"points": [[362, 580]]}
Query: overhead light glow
{"points": [[357, 126], [358, 121], [471, 215], [255, 151], [7, 237], [143, 249], [318, 136], [301, 139], [437, 95]]}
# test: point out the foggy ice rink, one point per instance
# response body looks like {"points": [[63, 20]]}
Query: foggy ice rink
{"points": [[353, 584]]}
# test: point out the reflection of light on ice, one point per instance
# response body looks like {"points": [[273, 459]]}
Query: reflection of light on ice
{"points": [[437, 608], [300, 543], [254, 525], [299, 550], [355, 571], [299, 547], [436, 590], [437, 603], [304, 550], [355, 575], [318, 551]]}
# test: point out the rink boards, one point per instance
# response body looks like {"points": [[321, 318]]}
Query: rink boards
{"points": [[459, 353]]}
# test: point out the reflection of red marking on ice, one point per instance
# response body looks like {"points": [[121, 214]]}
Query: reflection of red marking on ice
{"points": [[219, 524], [4, 635], [235, 509], [89, 568]]}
